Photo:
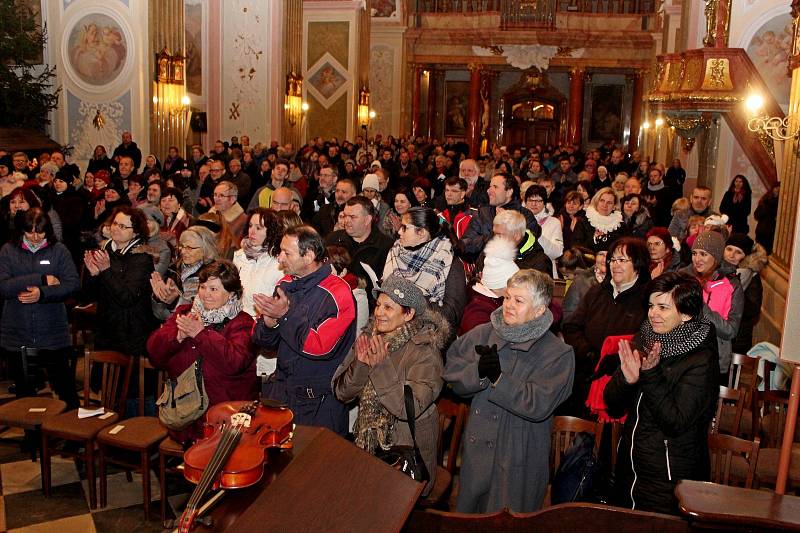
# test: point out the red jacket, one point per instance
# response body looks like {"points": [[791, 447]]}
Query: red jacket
{"points": [[229, 363]]}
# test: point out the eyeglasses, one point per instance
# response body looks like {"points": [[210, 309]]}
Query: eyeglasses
{"points": [[535, 200], [217, 170], [224, 195], [655, 244], [121, 226], [187, 247], [620, 260]]}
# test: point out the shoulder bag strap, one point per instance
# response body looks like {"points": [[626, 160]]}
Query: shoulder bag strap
{"points": [[410, 414]]}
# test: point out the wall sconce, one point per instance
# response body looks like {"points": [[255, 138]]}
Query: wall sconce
{"points": [[176, 64], [363, 107], [294, 105], [170, 68], [162, 66]]}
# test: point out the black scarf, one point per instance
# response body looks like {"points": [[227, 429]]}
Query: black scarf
{"points": [[683, 339]]}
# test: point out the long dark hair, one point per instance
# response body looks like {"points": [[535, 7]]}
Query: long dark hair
{"points": [[427, 218], [747, 190]]}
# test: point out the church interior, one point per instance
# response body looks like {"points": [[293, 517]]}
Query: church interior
{"points": [[713, 84]]}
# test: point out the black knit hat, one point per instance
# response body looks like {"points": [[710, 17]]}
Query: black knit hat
{"points": [[741, 241]]}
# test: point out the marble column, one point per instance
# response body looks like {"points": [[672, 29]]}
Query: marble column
{"points": [[474, 110], [636, 112], [415, 100], [575, 125]]}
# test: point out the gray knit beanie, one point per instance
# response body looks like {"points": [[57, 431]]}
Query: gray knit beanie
{"points": [[711, 242]]}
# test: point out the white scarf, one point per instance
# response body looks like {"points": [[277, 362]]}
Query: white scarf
{"points": [[604, 223]]}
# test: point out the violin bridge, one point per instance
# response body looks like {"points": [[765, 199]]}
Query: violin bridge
{"points": [[241, 419]]}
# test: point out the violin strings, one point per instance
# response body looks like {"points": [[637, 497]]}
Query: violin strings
{"points": [[218, 460], [208, 474]]}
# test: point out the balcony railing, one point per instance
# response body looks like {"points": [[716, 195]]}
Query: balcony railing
{"points": [[535, 13]]}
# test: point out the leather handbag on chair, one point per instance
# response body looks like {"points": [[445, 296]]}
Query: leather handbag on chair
{"points": [[184, 400], [407, 459]]}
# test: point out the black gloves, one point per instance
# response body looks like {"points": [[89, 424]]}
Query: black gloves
{"points": [[608, 365], [489, 363]]}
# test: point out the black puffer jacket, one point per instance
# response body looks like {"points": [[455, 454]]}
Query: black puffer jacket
{"points": [[124, 316], [665, 437]]}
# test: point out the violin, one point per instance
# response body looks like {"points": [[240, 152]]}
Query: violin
{"points": [[234, 450]]}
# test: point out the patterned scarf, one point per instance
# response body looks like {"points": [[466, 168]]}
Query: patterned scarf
{"points": [[683, 339], [374, 424], [227, 311], [251, 250], [427, 266]]}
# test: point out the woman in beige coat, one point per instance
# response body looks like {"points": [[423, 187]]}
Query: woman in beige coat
{"points": [[402, 346]]}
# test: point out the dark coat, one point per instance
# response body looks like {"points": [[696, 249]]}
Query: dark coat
{"points": [[737, 212], [124, 316], [505, 461], [600, 315], [666, 432], [312, 339], [480, 227], [43, 324], [373, 251], [131, 151]]}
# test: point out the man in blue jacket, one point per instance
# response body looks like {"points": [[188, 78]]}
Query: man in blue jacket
{"points": [[311, 320]]}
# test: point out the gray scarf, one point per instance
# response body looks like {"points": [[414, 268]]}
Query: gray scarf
{"points": [[532, 330]]}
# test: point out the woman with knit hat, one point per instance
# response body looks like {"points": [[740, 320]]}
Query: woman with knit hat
{"points": [[401, 345], [488, 293], [722, 292], [749, 259], [664, 256]]}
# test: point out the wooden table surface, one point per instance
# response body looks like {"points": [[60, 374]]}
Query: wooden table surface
{"points": [[713, 504], [324, 483]]}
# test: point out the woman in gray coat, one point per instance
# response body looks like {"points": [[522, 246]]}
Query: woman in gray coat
{"points": [[403, 346], [517, 372]]}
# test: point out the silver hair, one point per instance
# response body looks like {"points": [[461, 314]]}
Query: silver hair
{"points": [[514, 221], [539, 285], [206, 240], [232, 188], [49, 168]]}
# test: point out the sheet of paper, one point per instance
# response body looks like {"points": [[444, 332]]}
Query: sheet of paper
{"points": [[87, 413]]}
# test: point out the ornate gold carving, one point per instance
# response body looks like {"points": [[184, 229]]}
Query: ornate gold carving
{"points": [[660, 66], [675, 75], [717, 76], [694, 68], [711, 22], [705, 98]]}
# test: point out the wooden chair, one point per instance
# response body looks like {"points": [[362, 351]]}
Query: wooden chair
{"points": [[28, 413], [453, 417], [774, 410], [166, 449], [730, 406], [140, 434], [743, 374], [729, 455], [116, 373], [565, 428]]}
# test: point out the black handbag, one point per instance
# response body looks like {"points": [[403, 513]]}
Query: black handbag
{"points": [[407, 459]]}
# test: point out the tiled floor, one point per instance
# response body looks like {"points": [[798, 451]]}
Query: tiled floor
{"points": [[24, 508]]}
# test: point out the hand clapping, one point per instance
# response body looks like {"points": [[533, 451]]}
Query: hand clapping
{"points": [[371, 350], [189, 325], [632, 362], [166, 292], [273, 308]]}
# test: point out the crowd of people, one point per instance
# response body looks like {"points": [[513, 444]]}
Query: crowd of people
{"points": [[331, 276]]}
